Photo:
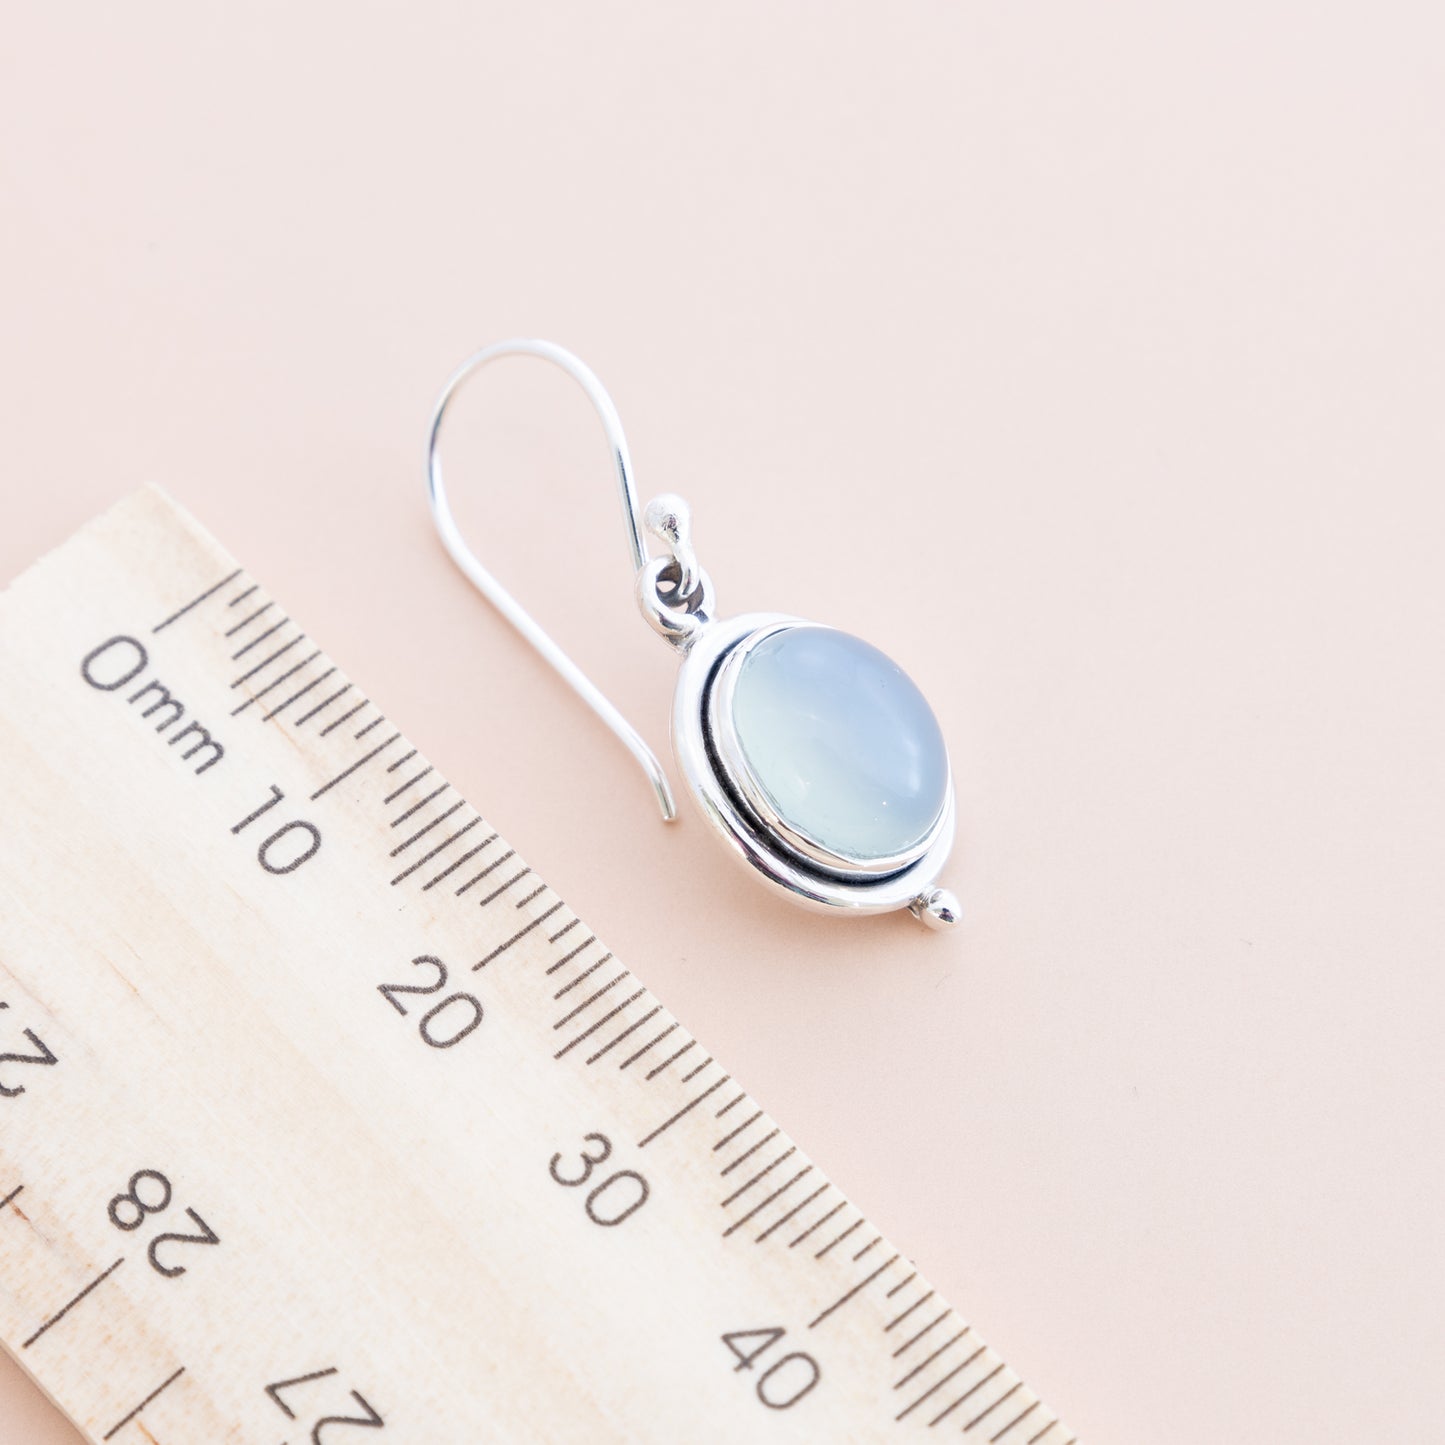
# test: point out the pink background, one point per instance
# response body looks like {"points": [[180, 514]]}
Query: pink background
{"points": [[1087, 359]]}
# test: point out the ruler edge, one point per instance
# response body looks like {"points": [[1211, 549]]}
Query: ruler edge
{"points": [[129, 510]]}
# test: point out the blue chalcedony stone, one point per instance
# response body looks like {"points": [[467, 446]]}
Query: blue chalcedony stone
{"points": [[840, 743]]}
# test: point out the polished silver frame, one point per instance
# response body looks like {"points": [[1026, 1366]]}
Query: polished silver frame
{"points": [[758, 844]]}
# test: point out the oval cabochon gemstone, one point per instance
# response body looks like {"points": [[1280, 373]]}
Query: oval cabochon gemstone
{"points": [[840, 742]]}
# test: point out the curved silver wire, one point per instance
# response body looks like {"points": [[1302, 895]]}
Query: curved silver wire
{"points": [[498, 595]]}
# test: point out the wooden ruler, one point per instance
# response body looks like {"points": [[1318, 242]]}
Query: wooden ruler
{"points": [[323, 1119]]}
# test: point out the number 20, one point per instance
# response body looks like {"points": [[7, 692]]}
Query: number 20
{"points": [[465, 1009]]}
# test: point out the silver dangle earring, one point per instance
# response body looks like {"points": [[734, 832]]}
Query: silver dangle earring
{"points": [[811, 754]]}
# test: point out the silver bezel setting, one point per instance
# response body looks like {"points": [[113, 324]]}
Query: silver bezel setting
{"points": [[755, 836]]}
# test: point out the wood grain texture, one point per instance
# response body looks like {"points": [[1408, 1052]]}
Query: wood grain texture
{"points": [[268, 981]]}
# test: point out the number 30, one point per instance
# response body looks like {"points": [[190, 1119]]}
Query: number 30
{"points": [[628, 1180]]}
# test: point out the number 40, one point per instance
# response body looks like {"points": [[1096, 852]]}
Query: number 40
{"points": [[792, 1376]]}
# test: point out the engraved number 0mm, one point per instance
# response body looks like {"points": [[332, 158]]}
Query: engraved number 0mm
{"points": [[617, 1197]]}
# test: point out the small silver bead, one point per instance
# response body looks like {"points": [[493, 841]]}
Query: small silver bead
{"points": [[669, 519], [937, 908]]}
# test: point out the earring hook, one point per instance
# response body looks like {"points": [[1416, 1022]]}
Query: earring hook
{"points": [[498, 595]]}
